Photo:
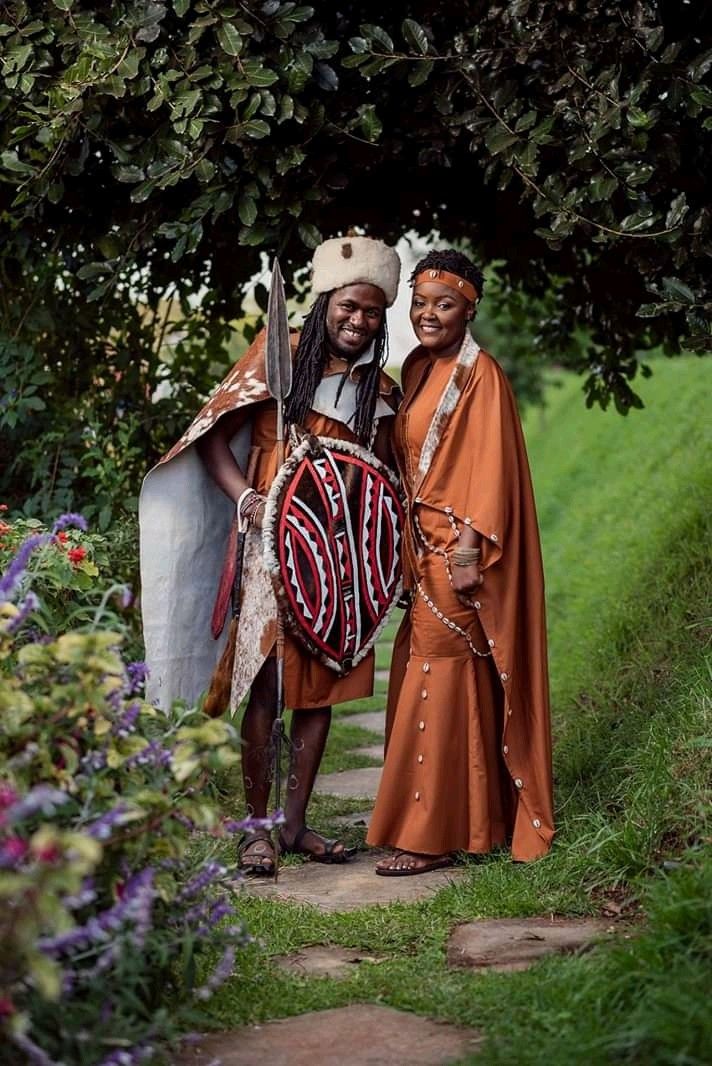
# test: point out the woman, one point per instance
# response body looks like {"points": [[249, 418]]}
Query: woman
{"points": [[468, 748]]}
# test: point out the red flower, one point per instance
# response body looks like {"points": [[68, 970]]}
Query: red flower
{"points": [[62, 538], [75, 555], [3, 507], [48, 853], [7, 1007], [4, 527]]}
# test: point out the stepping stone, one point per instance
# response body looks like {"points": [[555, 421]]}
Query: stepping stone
{"points": [[374, 752], [350, 783], [374, 720], [323, 960], [360, 1035], [349, 886], [517, 943], [360, 818]]}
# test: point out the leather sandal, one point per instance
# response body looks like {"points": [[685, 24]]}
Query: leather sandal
{"points": [[328, 856], [436, 863], [255, 856]]}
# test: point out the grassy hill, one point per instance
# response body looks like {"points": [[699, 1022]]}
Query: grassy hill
{"points": [[624, 507]]}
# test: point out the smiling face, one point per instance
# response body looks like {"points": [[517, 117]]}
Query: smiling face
{"points": [[439, 316], [353, 317]]}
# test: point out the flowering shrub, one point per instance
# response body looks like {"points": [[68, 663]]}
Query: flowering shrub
{"points": [[66, 572], [116, 920]]}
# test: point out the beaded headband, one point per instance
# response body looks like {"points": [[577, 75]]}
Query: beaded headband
{"points": [[453, 281]]}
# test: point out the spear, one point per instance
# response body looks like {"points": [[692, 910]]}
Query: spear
{"points": [[278, 368]]}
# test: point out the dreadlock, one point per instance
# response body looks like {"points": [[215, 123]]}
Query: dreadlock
{"points": [[455, 263], [310, 362]]}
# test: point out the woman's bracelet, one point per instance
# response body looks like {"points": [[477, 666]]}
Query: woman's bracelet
{"points": [[465, 556]]}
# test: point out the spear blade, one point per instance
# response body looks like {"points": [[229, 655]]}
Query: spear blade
{"points": [[278, 353]]}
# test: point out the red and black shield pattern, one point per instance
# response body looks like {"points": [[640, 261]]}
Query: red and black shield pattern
{"points": [[332, 535]]}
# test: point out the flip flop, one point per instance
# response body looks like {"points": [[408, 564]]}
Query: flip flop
{"points": [[435, 864], [327, 856]]}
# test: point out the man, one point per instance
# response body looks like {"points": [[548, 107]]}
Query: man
{"points": [[339, 390]]}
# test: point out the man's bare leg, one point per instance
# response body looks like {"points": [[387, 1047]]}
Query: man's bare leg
{"points": [[310, 729]]}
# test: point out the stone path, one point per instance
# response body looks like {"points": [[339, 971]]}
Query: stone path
{"points": [[350, 784], [350, 886], [323, 960], [359, 1035], [373, 752], [373, 720], [517, 943]]}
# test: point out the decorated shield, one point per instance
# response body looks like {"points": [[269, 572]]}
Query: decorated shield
{"points": [[332, 532]]}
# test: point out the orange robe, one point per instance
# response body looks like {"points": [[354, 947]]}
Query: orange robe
{"points": [[468, 756]]}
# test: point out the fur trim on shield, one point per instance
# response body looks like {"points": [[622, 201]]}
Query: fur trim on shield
{"points": [[448, 401], [271, 559], [353, 260]]}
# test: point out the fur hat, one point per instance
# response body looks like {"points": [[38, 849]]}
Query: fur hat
{"points": [[353, 260]]}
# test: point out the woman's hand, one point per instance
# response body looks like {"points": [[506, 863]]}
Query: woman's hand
{"points": [[466, 579]]}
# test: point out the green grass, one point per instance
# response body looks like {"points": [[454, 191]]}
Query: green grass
{"points": [[624, 509]]}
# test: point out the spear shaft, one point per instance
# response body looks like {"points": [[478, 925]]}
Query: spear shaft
{"points": [[278, 371]]}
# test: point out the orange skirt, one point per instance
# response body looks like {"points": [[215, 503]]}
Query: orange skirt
{"points": [[445, 786]]}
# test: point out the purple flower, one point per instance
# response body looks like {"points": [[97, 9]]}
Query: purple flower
{"points": [[102, 827], [137, 674], [35, 1054], [127, 722], [42, 799], [220, 974], [129, 1056], [210, 872], [10, 580], [28, 605], [154, 754], [70, 519], [83, 898], [133, 910], [126, 596], [252, 825]]}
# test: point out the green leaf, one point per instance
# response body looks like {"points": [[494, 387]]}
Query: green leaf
{"points": [[286, 108], [699, 66], [678, 210], [375, 33], [247, 210], [229, 39], [679, 290], [702, 96], [499, 138], [358, 45], [309, 234], [63, 5], [256, 128], [128, 173], [420, 73], [11, 162], [415, 35], [259, 75], [370, 123]]}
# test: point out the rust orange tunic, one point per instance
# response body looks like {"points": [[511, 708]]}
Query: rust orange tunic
{"points": [[468, 758]]}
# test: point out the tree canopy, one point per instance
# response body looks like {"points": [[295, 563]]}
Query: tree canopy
{"points": [[151, 150]]}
